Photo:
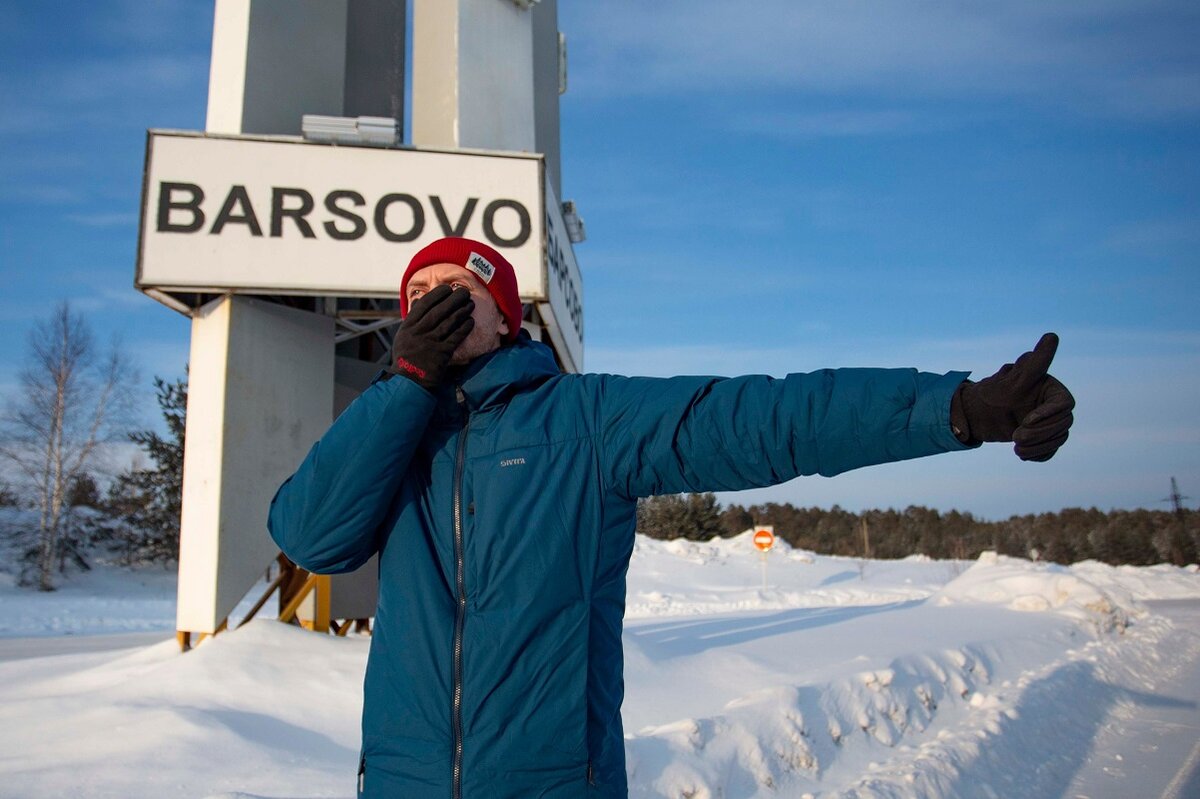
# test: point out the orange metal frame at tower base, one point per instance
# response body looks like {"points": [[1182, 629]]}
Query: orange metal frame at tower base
{"points": [[294, 585]]}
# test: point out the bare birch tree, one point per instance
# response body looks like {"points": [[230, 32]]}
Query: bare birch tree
{"points": [[72, 397]]}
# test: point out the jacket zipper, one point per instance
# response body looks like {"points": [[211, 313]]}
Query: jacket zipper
{"points": [[461, 591]]}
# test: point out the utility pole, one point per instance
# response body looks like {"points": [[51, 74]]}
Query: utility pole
{"points": [[1183, 548], [1176, 499]]}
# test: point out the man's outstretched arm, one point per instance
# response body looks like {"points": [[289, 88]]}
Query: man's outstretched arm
{"points": [[712, 434]]}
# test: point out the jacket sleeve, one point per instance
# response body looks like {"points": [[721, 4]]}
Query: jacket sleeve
{"points": [[670, 435], [326, 516]]}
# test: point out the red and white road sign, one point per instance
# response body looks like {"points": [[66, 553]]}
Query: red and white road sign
{"points": [[764, 539]]}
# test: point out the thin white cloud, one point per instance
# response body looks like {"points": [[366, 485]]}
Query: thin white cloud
{"points": [[1154, 235], [836, 124], [1114, 360], [106, 299], [51, 195], [98, 92], [21, 119], [115, 220], [152, 23], [124, 55], [19, 162], [119, 79], [166, 358], [103, 220], [1133, 57]]}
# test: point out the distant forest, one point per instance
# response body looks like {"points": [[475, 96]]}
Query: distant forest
{"points": [[1136, 537]]}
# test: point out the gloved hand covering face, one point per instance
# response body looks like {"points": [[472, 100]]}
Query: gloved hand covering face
{"points": [[1021, 403], [436, 324]]}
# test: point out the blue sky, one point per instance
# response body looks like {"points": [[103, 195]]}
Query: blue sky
{"points": [[768, 187]]}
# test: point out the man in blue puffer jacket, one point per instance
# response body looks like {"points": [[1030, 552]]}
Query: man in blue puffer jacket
{"points": [[500, 495]]}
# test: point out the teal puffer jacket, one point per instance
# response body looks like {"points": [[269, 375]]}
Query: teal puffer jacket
{"points": [[502, 510]]}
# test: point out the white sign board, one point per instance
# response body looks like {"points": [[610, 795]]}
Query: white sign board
{"points": [[277, 215], [564, 312]]}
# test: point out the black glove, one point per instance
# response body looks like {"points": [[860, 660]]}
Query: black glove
{"points": [[1020, 403], [437, 323]]}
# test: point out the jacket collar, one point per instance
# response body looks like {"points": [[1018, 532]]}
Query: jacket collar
{"points": [[491, 379]]}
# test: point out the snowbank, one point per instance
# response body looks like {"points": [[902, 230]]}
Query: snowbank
{"points": [[725, 575], [265, 709], [1021, 585], [1142, 582], [842, 678]]}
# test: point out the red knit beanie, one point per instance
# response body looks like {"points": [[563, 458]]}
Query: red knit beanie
{"points": [[489, 267]]}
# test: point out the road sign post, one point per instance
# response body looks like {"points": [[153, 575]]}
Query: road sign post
{"points": [[764, 539]]}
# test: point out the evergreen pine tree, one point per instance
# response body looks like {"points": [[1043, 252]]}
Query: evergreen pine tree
{"points": [[696, 517], [144, 504]]}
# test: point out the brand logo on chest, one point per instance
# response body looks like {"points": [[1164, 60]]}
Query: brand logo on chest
{"points": [[512, 462]]}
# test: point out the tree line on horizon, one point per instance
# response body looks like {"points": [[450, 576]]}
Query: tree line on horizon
{"points": [[1138, 537]]}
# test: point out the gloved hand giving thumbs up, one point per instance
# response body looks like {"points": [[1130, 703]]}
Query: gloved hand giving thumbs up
{"points": [[1020, 403]]}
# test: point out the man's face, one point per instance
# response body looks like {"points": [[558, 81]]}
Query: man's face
{"points": [[490, 325]]}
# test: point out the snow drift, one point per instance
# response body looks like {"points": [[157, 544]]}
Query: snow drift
{"points": [[840, 678]]}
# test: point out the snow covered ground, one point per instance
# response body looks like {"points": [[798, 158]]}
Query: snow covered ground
{"points": [[840, 678]]}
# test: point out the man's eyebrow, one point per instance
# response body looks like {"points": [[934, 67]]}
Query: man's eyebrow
{"points": [[422, 283]]}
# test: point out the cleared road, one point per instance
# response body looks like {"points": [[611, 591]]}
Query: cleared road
{"points": [[46, 646], [1150, 749]]}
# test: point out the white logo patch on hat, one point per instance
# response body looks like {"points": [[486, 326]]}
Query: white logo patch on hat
{"points": [[481, 266]]}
